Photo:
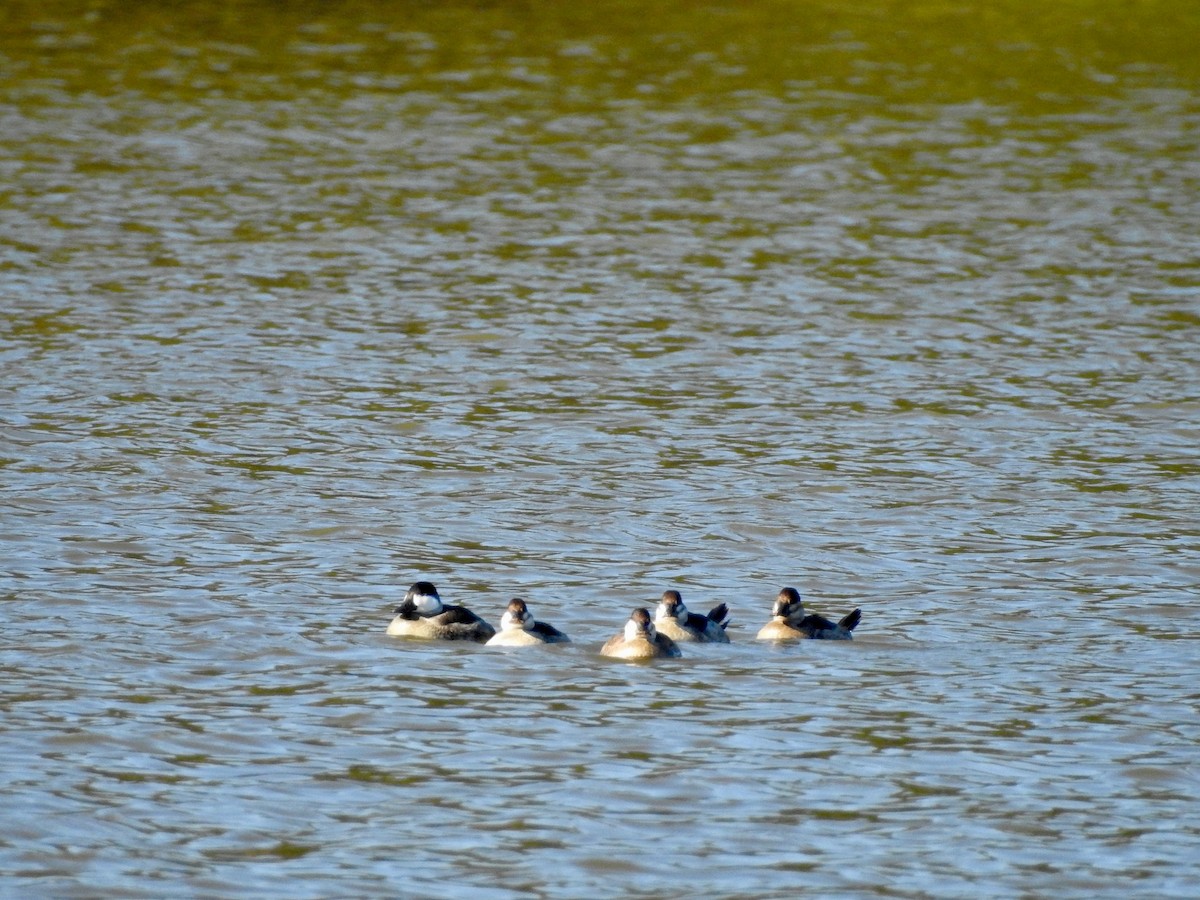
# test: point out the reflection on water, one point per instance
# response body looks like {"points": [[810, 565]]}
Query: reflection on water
{"points": [[577, 304]]}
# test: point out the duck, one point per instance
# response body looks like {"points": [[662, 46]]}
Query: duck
{"points": [[673, 619], [789, 622], [640, 640], [423, 615], [518, 628]]}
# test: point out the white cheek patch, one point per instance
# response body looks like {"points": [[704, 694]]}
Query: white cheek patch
{"points": [[789, 610], [427, 604], [631, 630]]}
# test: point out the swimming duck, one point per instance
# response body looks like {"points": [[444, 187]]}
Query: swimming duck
{"points": [[639, 640], [423, 615], [674, 620], [518, 628], [790, 623]]}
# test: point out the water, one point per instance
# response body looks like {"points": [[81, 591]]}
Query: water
{"points": [[896, 306]]}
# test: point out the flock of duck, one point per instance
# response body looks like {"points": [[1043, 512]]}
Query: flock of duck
{"points": [[422, 614]]}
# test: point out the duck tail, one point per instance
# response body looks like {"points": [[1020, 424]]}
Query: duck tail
{"points": [[720, 614], [851, 620]]}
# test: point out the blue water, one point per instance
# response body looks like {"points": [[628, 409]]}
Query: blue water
{"points": [[291, 319]]}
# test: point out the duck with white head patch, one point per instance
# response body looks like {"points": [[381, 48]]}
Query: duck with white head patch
{"points": [[674, 620], [789, 622], [640, 640], [423, 615], [518, 628]]}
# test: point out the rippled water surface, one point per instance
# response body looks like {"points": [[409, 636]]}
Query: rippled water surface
{"points": [[895, 303]]}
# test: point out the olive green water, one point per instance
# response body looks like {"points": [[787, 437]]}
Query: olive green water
{"points": [[895, 302]]}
